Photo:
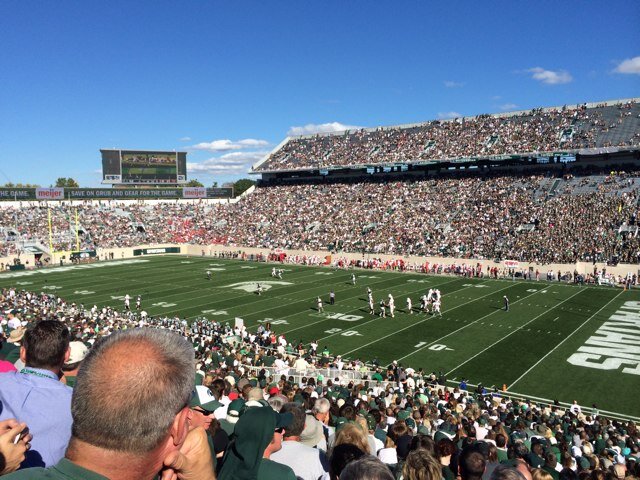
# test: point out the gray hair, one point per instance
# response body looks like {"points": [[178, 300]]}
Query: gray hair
{"points": [[130, 388], [504, 472], [366, 468], [276, 402], [322, 405]]}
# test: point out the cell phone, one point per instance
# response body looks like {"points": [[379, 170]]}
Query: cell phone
{"points": [[21, 435]]}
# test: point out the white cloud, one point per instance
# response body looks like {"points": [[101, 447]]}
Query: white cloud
{"points": [[185, 139], [226, 145], [253, 143], [452, 84], [550, 77], [229, 163], [508, 106], [630, 65], [311, 128], [446, 115]]}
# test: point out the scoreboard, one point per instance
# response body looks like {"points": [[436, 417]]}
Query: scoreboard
{"points": [[143, 167]]}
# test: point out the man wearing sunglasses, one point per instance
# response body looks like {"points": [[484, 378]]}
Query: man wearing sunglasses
{"points": [[203, 404]]}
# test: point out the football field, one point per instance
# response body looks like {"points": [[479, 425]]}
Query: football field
{"points": [[557, 341]]}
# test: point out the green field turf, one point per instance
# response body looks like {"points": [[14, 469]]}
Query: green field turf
{"points": [[526, 348]]}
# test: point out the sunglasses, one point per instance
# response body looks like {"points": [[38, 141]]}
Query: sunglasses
{"points": [[204, 412]]}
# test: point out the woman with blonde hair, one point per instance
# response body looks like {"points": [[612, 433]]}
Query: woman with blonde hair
{"points": [[421, 465], [353, 434], [540, 474]]}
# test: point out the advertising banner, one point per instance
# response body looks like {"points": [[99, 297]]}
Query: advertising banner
{"points": [[194, 192], [54, 193]]}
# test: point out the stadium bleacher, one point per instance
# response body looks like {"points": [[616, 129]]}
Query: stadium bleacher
{"points": [[538, 130]]}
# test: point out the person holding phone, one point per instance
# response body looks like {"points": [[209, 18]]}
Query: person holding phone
{"points": [[14, 442]]}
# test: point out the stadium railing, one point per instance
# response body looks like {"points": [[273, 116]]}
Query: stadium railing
{"points": [[333, 374], [539, 401]]}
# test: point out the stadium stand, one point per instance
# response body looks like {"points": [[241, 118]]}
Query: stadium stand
{"points": [[531, 217], [539, 130], [389, 414], [404, 423]]}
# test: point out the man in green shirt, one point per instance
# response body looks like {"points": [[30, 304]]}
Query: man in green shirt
{"points": [[131, 413], [255, 439]]}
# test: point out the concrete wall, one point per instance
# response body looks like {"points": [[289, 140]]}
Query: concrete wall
{"points": [[196, 250]]}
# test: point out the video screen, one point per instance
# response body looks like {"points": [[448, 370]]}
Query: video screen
{"points": [[141, 167]]}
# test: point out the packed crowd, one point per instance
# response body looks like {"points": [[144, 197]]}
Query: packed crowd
{"points": [[537, 130], [158, 398], [480, 217]]}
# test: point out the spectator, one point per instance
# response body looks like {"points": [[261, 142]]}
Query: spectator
{"points": [[304, 460], [132, 422], [77, 352], [353, 434], [254, 438], [341, 456], [37, 389], [366, 468], [12, 453], [472, 464], [421, 465]]}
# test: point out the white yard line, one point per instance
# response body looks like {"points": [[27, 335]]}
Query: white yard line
{"points": [[422, 321], [567, 338], [507, 336], [467, 325]]}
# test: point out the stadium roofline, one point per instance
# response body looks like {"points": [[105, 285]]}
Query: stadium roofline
{"points": [[266, 157]]}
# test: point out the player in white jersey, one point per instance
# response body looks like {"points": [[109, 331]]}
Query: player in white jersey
{"points": [[138, 302], [208, 275], [437, 294], [383, 309], [127, 299], [392, 306], [280, 274], [436, 307], [353, 279], [409, 305], [371, 308], [320, 307], [273, 272]]}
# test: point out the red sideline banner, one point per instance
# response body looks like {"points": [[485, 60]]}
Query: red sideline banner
{"points": [[55, 193], [194, 192], [511, 263]]}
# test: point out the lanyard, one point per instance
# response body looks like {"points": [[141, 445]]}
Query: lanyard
{"points": [[37, 374]]}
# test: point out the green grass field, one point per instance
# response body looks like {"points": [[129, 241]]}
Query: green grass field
{"points": [[526, 348]]}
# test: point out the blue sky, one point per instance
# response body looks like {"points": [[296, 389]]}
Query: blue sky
{"points": [[227, 81]]}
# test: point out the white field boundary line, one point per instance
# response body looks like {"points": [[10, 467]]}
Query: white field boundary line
{"points": [[566, 338], [375, 316], [424, 320], [467, 325], [509, 393], [514, 331]]}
